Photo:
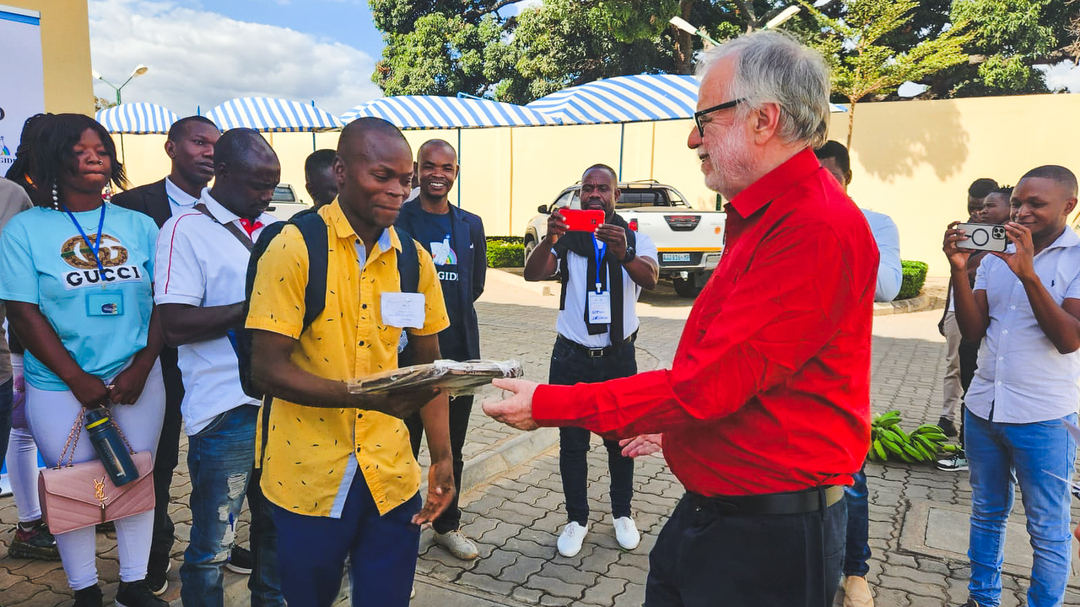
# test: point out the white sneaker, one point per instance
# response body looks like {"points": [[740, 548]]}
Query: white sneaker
{"points": [[412, 595], [573, 535], [626, 533], [458, 545]]}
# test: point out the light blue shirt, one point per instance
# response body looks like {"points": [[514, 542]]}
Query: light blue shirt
{"points": [[102, 318], [889, 275], [1021, 375]]}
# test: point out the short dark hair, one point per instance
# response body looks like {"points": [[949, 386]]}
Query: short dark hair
{"points": [[981, 187], [361, 129], [603, 167], [837, 151], [1006, 190], [52, 152], [319, 160], [1059, 174], [180, 127], [236, 147]]}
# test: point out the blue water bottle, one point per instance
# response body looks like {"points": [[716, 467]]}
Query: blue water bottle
{"points": [[110, 448]]}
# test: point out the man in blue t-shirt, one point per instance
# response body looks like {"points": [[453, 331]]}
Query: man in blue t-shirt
{"points": [[455, 239]]}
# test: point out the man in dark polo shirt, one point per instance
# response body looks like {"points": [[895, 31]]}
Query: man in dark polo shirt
{"points": [[765, 411], [455, 239]]}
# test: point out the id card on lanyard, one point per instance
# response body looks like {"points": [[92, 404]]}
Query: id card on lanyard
{"points": [[98, 303], [599, 298]]}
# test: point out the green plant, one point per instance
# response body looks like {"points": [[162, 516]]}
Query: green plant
{"points": [[513, 239], [914, 277], [502, 254]]}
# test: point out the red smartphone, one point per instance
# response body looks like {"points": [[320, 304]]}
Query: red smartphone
{"points": [[581, 220]]}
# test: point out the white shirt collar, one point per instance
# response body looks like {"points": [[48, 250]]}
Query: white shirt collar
{"points": [[218, 210], [178, 196]]}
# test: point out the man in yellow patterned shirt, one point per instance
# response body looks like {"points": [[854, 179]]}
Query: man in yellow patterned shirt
{"points": [[338, 468]]}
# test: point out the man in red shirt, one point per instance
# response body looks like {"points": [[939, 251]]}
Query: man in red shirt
{"points": [[765, 411]]}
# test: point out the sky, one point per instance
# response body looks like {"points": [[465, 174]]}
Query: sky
{"points": [[201, 53]]}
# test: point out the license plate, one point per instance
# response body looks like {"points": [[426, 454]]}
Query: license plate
{"points": [[675, 257]]}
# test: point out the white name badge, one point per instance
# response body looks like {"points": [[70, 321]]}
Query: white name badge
{"points": [[599, 308], [403, 310]]}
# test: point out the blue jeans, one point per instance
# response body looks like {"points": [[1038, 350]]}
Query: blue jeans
{"points": [[6, 400], [857, 551], [571, 365], [381, 549], [996, 451], [220, 461]]}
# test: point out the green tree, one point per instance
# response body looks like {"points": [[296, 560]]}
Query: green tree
{"points": [[863, 64], [101, 103]]}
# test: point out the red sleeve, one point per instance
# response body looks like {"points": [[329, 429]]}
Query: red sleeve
{"points": [[780, 312]]}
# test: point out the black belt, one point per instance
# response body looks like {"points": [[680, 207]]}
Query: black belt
{"points": [[795, 502], [594, 352]]}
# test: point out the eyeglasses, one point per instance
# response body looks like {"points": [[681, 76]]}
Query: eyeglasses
{"points": [[716, 108]]}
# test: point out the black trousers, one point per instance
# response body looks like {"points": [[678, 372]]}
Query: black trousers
{"points": [[168, 453], [969, 364], [570, 365], [460, 409], [703, 559]]}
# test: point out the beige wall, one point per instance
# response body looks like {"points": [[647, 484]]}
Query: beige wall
{"points": [[65, 50], [912, 160]]}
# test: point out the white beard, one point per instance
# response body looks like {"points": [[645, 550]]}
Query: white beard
{"points": [[729, 160]]}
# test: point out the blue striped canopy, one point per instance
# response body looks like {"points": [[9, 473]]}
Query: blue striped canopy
{"points": [[140, 118], [431, 112], [270, 115], [645, 97]]}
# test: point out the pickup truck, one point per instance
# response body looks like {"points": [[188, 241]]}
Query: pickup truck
{"points": [[285, 203], [688, 241]]}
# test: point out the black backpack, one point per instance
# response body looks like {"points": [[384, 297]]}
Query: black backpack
{"points": [[313, 229]]}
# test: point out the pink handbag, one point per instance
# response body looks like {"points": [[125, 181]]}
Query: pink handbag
{"points": [[74, 496]]}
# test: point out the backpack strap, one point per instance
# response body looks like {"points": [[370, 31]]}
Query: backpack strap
{"points": [[313, 229], [235, 231], [408, 265]]}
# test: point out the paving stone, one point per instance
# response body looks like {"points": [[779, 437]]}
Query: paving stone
{"points": [[604, 592], [486, 583], [555, 587], [526, 595], [522, 569]]}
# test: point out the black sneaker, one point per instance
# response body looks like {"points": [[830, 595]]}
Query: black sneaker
{"points": [[948, 428], [108, 527], [88, 597], [155, 579], [970, 603], [34, 542], [137, 594], [240, 561]]}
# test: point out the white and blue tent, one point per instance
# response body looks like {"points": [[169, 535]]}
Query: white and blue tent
{"points": [[137, 118], [432, 112], [271, 115], [641, 98]]}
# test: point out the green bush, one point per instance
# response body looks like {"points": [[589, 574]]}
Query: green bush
{"points": [[914, 277], [510, 239], [503, 254]]}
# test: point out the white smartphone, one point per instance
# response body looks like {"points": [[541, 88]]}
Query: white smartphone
{"points": [[983, 237]]}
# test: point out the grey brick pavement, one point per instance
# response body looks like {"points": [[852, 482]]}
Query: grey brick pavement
{"points": [[516, 517]]}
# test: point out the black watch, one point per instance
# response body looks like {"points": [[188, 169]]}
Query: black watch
{"points": [[630, 255]]}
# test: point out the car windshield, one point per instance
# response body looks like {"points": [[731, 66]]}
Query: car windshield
{"points": [[653, 197], [283, 194]]}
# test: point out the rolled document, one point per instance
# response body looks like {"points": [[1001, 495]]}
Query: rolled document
{"points": [[456, 378]]}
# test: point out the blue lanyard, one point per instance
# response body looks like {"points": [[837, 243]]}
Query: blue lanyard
{"points": [[600, 248], [94, 246]]}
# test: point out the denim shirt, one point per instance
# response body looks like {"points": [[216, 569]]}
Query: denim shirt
{"points": [[1022, 378]]}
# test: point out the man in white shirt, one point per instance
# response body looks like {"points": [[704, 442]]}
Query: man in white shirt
{"points": [[202, 259], [1025, 308], [603, 274], [190, 148]]}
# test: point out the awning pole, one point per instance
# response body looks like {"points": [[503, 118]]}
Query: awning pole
{"points": [[622, 139]]}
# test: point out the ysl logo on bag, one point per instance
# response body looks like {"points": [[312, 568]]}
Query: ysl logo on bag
{"points": [[99, 493]]}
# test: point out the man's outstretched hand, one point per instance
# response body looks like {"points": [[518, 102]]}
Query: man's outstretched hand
{"points": [[439, 494], [645, 444], [515, 411]]}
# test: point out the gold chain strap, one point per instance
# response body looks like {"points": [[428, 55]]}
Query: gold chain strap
{"points": [[73, 441]]}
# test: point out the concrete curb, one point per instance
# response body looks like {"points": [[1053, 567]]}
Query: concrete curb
{"points": [[920, 303], [477, 471]]}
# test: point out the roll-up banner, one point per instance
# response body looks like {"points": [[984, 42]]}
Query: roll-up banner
{"points": [[22, 80]]}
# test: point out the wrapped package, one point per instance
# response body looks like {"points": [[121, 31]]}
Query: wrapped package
{"points": [[455, 378]]}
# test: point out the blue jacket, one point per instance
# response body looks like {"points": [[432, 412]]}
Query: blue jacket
{"points": [[462, 340]]}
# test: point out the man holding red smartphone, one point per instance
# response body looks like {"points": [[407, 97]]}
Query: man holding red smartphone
{"points": [[602, 274]]}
